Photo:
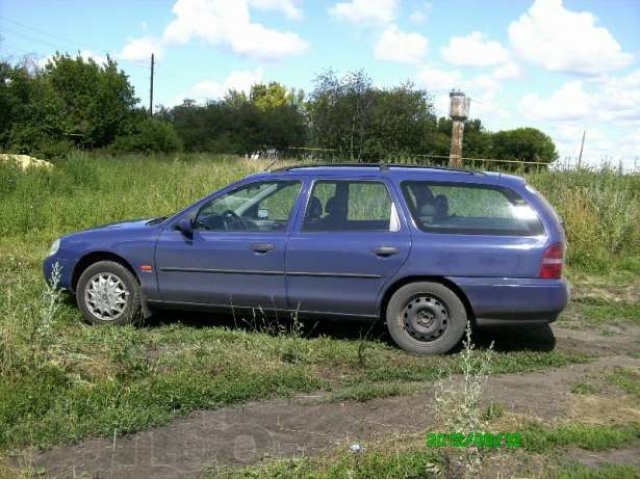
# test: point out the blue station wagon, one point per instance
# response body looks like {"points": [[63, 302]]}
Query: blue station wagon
{"points": [[424, 249]]}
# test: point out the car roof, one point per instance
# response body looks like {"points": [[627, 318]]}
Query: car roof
{"points": [[398, 172]]}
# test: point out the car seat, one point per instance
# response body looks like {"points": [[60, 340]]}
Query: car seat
{"points": [[441, 205], [336, 213], [314, 212]]}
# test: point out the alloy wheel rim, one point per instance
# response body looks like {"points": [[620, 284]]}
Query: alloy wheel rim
{"points": [[425, 318], [106, 296]]}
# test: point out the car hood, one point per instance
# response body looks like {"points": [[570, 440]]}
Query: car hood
{"points": [[127, 226]]}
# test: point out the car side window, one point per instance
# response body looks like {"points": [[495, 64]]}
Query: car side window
{"points": [[442, 207], [257, 207], [350, 206]]}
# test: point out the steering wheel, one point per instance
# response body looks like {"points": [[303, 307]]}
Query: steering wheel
{"points": [[229, 215]]}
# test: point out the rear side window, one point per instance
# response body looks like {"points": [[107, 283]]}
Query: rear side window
{"points": [[350, 206], [470, 209]]}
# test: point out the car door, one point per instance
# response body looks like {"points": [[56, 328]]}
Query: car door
{"points": [[235, 255], [346, 246]]}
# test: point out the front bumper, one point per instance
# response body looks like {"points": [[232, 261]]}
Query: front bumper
{"points": [[65, 268]]}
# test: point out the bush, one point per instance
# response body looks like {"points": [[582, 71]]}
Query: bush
{"points": [[34, 141], [151, 136]]}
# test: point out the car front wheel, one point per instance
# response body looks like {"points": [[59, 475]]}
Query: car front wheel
{"points": [[426, 318], [108, 294]]}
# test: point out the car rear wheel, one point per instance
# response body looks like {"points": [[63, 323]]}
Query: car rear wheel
{"points": [[108, 294], [426, 318]]}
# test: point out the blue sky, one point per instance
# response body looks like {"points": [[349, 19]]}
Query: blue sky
{"points": [[564, 66]]}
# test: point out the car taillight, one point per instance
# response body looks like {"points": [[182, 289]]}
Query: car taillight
{"points": [[552, 262]]}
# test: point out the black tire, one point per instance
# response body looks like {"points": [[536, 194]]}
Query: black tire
{"points": [[426, 318], [128, 302]]}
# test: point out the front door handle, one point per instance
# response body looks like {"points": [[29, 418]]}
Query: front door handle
{"points": [[385, 251], [261, 247]]}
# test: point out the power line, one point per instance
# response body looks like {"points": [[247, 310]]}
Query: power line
{"points": [[30, 38], [41, 32]]}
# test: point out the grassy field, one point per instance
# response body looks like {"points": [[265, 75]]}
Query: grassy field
{"points": [[62, 381]]}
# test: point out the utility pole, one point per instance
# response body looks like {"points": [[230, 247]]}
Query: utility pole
{"points": [[584, 133], [151, 89], [458, 111]]}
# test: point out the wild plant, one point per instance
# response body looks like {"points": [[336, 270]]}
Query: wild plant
{"points": [[457, 406]]}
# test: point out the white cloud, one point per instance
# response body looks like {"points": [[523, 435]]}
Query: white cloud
{"points": [[394, 45], [438, 80], [474, 50], [140, 50], [619, 98], [561, 40], [365, 12], [508, 71], [288, 7], [239, 80], [570, 102], [609, 99], [420, 15], [228, 23]]}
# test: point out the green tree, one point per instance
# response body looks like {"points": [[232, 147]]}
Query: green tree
{"points": [[524, 144], [401, 122], [476, 142], [95, 100], [364, 122], [30, 113], [273, 95], [71, 102], [269, 118], [340, 112]]}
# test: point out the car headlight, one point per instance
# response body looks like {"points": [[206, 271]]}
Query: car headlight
{"points": [[55, 246]]}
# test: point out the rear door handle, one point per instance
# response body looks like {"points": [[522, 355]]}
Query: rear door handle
{"points": [[385, 251], [261, 247]]}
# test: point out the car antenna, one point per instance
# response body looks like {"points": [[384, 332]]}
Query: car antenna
{"points": [[270, 165]]}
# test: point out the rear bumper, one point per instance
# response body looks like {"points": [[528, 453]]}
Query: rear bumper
{"points": [[514, 301]]}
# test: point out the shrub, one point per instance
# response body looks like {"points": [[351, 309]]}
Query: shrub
{"points": [[150, 136]]}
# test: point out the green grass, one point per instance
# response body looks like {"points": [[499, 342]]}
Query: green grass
{"points": [[494, 411], [600, 311], [49, 408], [362, 392], [582, 388], [604, 470], [411, 463], [625, 379], [540, 439]]}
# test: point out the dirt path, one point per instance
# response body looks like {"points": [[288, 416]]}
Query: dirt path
{"points": [[279, 428]]}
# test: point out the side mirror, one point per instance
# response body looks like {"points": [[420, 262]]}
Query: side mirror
{"points": [[185, 226]]}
